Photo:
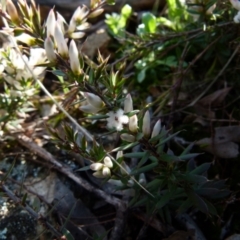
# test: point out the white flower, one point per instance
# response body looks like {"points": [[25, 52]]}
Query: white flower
{"points": [[117, 119], [235, 4], [102, 170]]}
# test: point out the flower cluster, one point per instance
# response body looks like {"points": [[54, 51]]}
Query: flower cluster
{"points": [[102, 170]]}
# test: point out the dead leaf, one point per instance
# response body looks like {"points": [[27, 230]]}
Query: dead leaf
{"points": [[222, 150], [216, 98], [226, 134]]}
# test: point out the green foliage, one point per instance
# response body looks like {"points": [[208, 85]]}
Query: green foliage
{"points": [[162, 50]]}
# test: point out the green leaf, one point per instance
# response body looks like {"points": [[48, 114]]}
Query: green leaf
{"points": [[134, 155], [125, 147], [97, 117], [110, 2], [164, 200], [144, 169], [185, 206], [196, 179], [188, 156], [197, 201], [168, 138], [150, 22], [187, 149], [200, 170], [83, 169], [144, 159]]}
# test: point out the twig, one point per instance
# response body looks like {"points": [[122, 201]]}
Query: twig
{"points": [[118, 230]]}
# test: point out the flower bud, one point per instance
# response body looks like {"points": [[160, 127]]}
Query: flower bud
{"points": [[128, 104], [119, 154], [146, 124], [127, 137], [77, 35], [106, 172], [73, 56], [12, 11], [108, 162], [156, 129], [94, 100], [50, 24], [61, 43], [142, 179], [49, 48], [133, 123], [96, 166], [130, 183], [96, 13]]}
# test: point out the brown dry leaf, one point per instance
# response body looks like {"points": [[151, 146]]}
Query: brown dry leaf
{"points": [[216, 98], [222, 150], [95, 41], [223, 142], [226, 134]]}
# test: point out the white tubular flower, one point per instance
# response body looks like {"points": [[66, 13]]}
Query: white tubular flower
{"points": [[128, 104], [60, 40], [108, 162], [106, 172], [146, 128], [133, 123], [74, 60], [117, 119], [156, 129], [49, 47], [127, 137], [50, 24], [12, 11], [94, 100], [102, 169], [96, 166]]}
